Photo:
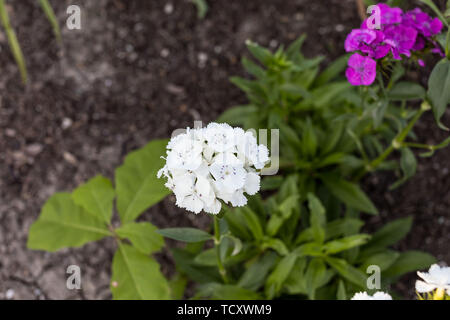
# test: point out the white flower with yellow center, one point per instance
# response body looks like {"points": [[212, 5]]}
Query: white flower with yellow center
{"points": [[208, 166], [437, 278]]}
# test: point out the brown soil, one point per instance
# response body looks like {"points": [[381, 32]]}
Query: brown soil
{"points": [[136, 71]]}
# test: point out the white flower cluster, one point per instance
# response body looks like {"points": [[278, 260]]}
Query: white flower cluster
{"points": [[215, 163], [436, 278], [380, 295]]}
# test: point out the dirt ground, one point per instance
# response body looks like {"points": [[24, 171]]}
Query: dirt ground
{"points": [[137, 70]]}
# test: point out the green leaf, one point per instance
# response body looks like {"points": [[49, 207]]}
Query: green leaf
{"points": [[309, 140], [253, 278], [349, 193], [275, 244], [137, 186], [64, 224], [439, 88], [346, 243], [347, 271], [185, 234], [252, 222], [341, 292], [279, 275], [136, 276], [283, 213], [260, 53], [317, 218], [409, 261], [294, 48], [332, 71], [96, 196], [382, 259], [388, 235], [207, 258], [407, 91], [177, 286], [143, 236], [333, 229], [314, 274], [236, 116], [184, 262], [408, 164]]}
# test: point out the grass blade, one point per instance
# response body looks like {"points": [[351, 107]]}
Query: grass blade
{"points": [[50, 14], [13, 43]]}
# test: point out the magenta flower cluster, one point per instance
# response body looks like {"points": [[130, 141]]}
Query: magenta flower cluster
{"points": [[400, 33]]}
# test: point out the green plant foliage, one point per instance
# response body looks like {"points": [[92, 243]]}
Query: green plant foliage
{"points": [[64, 224], [135, 276], [74, 219], [136, 183]]}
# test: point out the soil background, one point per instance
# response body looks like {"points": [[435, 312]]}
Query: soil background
{"points": [[137, 70]]}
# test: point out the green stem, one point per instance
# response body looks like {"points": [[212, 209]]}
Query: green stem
{"points": [[418, 145], [397, 142], [222, 270]]}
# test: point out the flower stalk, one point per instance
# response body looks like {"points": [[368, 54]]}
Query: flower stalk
{"points": [[217, 240], [397, 143]]}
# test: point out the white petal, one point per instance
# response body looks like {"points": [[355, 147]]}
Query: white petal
{"points": [[422, 286], [238, 199], [252, 183], [193, 203], [214, 208]]}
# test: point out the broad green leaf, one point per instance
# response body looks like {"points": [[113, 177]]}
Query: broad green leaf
{"points": [[253, 68], [409, 261], [439, 88], [236, 116], [136, 276], [253, 278], [185, 234], [314, 274], [317, 218], [388, 235], [207, 258], [346, 243], [349, 193], [64, 224], [407, 91], [309, 140], [382, 259], [347, 271], [142, 235], [96, 196], [279, 275], [137, 186]]}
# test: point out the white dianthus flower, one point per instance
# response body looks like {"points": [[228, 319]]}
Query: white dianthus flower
{"points": [[436, 278], [208, 165], [379, 295]]}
